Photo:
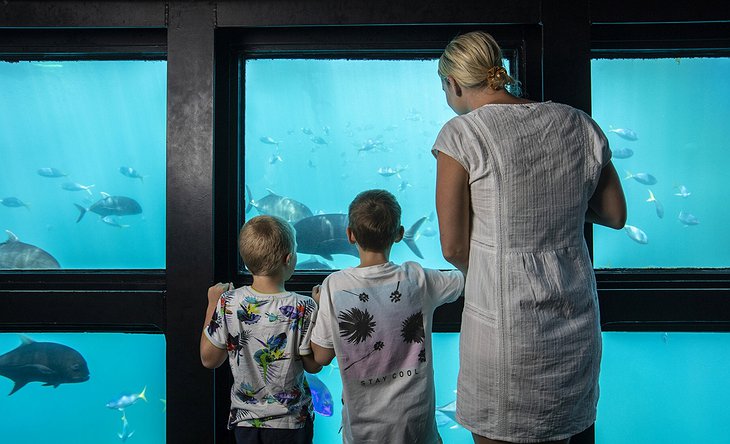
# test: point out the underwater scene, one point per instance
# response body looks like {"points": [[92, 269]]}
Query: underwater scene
{"points": [[78, 388], [83, 149], [666, 122]]}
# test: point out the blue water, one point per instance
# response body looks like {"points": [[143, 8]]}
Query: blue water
{"points": [[679, 109], [86, 119], [76, 413]]}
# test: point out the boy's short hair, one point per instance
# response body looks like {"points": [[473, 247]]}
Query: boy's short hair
{"points": [[374, 219], [263, 241]]}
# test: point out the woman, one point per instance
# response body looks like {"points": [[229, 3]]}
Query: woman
{"points": [[516, 181]]}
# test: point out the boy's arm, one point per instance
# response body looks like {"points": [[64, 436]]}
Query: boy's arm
{"points": [[210, 355], [310, 365], [322, 356]]}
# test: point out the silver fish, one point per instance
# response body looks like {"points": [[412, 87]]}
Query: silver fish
{"points": [[74, 186], [687, 219], [636, 234], [622, 153], [51, 172], [15, 254], [390, 171], [658, 205], [683, 192], [318, 140], [274, 205], [111, 206], [14, 202], [125, 401], [643, 178], [270, 141], [624, 133], [131, 173]]}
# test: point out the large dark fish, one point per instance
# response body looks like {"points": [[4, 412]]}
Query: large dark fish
{"points": [[112, 206], [48, 362], [274, 205], [15, 254], [325, 235]]}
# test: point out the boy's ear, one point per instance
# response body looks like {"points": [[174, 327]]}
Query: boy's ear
{"points": [[350, 236], [401, 232], [287, 259]]}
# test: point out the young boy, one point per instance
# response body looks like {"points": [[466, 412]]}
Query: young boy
{"points": [[264, 332], [376, 318]]}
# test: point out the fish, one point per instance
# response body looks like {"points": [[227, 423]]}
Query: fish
{"points": [[318, 140], [275, 158], [390, 171], [370, 144], [683, 192], [306, 131], [622, 153], [127, 400], [636, 234], [270, 141], [325, 235], [687, 219], [404, 186], [15, 254], [48, 362], [73, 186], [131, 173], [326, 130], [313, 264], [51, 172], [14, 202], [125, 434], [429, 232], [110, 220], [321, 395], [272, 204], [164, 401], [111, 206], [624, 133], [449, 410], [643, 178], [658, 205]]}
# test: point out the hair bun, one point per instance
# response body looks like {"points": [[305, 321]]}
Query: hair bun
{"points": [[497, 77]]}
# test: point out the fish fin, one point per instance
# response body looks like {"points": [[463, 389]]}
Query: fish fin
{"points": [[25, 340], [629, 175], [271, 192], [119, 435], [11, 236], [141, 395], [82, 210], [651, 197], [414, 248], [130, 434], [249, 200], [104, 195], [411, 235], [19, 384]]}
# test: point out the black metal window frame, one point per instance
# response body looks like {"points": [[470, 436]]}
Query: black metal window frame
{"points": [[521, 45], [668, 299], [94, 300]]}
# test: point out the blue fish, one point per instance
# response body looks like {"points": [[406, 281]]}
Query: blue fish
{"points": [[269, 141], [274, 205], [644, 178], [131, 173], [111, 206], [125, 434], [51, 172], [318, 140], [74, 186], [125, 401], [321, 396], [687, 219], [683, 192], [624, 133], [313, 264], [622, 153], [15, 254], [636, 234], [658, 205], [14, 202]]}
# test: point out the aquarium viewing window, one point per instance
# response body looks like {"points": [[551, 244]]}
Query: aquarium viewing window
{"points": [[316, 132], [84, 169], [666, 121]]}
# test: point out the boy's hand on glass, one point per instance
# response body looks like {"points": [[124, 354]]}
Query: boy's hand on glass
{"points": [[315, 293], [215, 292]]}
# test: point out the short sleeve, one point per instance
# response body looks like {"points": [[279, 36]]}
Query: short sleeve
{"points": [[309, 320], [450, 142], [322, 330], [599, 142], [217, 330], [444, 286]]}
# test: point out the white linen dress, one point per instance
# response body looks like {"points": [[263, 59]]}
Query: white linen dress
{"points": [[530, 345]]}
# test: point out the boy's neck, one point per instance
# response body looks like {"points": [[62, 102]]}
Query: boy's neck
{"points": [[268, 284], [369, 258]]}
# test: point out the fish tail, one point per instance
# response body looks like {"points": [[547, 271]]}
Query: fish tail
{"points": [[82, 210], [651, 197], [411, 235], [249, 199], [141, 395], [629, 174]]}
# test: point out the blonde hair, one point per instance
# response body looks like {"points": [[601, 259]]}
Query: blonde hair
{"points": [[263, 242], [475, 61], [374, 218]]}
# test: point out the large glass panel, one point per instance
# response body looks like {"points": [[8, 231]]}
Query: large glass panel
{"points": [[83, 149], [664, 387], [318, 132], [82, 388], [666, 120]]}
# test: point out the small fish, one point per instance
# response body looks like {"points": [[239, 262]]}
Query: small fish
{"points": [[74, 186], [448, 410], [643, 178], [14, 202], [370, 144], [687, 219], [48, 362], [307, 131], [318, 140], [126, 434], [326, 130], [404, 186], [110, 220], [683, 192], [311, 164], [275, 158], [389, 171], [313, 264], [131, 173], [657, 204], [269, 141], [624, 133], [622, 153], [636, 234], [51, 172], [321, 396], [125, 401]]}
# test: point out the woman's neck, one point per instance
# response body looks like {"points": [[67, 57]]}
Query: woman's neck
{"points": [[478, 97]]}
